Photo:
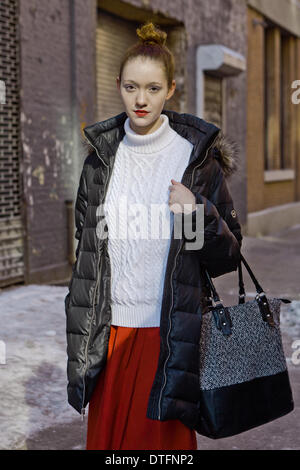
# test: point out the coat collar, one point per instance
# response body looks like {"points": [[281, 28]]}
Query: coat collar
{"points": [[105, 136]]}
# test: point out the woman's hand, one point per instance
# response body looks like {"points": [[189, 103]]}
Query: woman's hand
{"points": [[180, 195]]}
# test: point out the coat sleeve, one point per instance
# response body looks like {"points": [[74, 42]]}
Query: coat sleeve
{"points": [[220, 252], [80, 206], [80, 211]]}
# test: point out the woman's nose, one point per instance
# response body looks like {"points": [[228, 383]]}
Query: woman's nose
{"points": [[140, 99]]}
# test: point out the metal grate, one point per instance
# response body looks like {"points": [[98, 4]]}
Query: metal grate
{"points": [[11, 239]]}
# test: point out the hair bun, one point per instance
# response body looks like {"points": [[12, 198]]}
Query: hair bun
{"points": [[150, 34]]}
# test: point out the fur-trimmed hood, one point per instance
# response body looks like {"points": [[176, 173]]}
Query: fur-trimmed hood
{"points": [[187, 125], [227, 154]]}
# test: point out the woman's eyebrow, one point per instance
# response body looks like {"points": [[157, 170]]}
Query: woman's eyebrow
{"points": [[151, 83]]}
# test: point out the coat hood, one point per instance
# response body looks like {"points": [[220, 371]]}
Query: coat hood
{"points": [[227, 154], [187, 125]]}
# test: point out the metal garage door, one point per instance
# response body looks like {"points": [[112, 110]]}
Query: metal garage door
{"points": [[114, 36]]}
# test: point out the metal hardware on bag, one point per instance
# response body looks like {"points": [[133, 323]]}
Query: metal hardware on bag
{"points": [[265, 308], [222, 319], [169, 351]]}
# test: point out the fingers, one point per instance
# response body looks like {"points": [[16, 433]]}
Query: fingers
{"points": [[174, 182]]}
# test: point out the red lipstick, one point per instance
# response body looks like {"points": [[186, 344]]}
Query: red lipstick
{"points": [[141, 112]]}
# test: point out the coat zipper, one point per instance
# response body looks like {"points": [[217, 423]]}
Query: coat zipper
{"points": [[169, 351], [94, 297]]}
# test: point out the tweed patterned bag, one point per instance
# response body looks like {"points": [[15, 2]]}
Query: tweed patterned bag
{"points": [[244, 380]]}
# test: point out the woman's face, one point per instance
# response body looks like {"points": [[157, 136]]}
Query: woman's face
{"points": [[144, 87]]}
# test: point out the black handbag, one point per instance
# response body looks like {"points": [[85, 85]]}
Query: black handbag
{"points": [[244, 380]]}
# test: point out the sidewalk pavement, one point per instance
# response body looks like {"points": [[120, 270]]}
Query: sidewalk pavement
{"points": [[34, 410]]}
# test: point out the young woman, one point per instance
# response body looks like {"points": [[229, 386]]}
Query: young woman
{"points": [[135, 300]]}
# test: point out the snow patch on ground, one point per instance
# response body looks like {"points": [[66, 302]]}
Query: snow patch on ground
{"points": [[33, 385], [290, 318]]}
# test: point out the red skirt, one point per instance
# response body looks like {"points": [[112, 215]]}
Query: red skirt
{"points": [[117, 409]]}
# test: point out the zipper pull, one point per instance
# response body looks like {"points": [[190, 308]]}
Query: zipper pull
{"points": [[82, 413]]}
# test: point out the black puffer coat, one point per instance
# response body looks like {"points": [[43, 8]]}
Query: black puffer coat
{"points": [[175, 389]]}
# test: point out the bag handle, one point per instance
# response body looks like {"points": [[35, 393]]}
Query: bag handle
{"points": [[221, 313], [242, 293]]}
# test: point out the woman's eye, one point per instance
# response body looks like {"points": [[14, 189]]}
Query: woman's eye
{"points": [[130, 87]]}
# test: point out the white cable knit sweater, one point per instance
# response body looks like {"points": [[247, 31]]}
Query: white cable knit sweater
{"points": [[142, 172]]}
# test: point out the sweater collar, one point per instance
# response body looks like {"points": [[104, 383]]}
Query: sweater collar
{"points": [[149, 143]]}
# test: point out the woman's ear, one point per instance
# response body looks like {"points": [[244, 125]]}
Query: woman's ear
{"points": [[172, 90], [118, 81]]}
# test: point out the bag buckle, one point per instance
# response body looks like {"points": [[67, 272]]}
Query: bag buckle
{"points": [[265, 308]]}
